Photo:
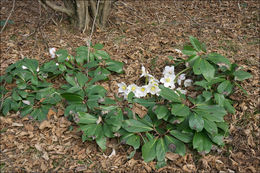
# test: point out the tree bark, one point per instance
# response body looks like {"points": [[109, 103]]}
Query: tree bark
{"points": [[81, 12]]}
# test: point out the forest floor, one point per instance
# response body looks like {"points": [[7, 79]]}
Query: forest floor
{"points": [[138, 33]]}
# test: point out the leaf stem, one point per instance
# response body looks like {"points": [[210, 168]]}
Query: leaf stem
{"points": [[178, 74]]}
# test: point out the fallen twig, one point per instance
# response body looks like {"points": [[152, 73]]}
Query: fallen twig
{"points": [[8, 17]]}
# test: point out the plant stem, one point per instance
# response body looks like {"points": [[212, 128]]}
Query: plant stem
{"points": [[176, 77]]}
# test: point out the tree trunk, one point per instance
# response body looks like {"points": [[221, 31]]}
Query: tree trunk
{"points": [[82, 12]]}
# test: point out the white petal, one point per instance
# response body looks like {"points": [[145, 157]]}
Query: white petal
{"points": [[26, 102], [24, 67], [187, 82]]}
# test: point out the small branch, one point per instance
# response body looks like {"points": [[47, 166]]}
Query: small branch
{"points": [[59, 8], [8, 17]]}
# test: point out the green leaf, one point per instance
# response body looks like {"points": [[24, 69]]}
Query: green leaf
{"points": [[201, 142], [26, 110], [195, 43], [207, 70], [210, 127], [149, 150], [180, 110], [114, 66], [160, 164], [145, 102], [188, 50], [219, 98], [174, 145], [197, 66], [228, 106], [22, 93], [98, 46], [211, 112], [2, 22], [223, 126], [241, 75], [184, 137], [225, 87], [132, 125], [40, 113], [81, 79], [92, 101], [115, 119], [131, 155], [169, 94], [161, 149], [71, 80], [203, 67], [81, 54], [196, 122], [131, 139], [96, 90], [191, 60], [207, 95], [72, 98], [6, 107], [218, 139], [101, 141], [107, 130], [74, 108], [15, 96], [218, 59], [21, 84], [101, 54], [86, 118], [62, 55], [161, 111], [98, 78], [244, 91]]}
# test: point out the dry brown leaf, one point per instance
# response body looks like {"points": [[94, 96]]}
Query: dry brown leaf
{"points": [[45, 124], [17, 124], [140, 110], [50, 114], [172, 156], [38, 147], [45, 156]]}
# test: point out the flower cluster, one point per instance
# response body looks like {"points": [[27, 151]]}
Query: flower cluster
{"points": [[152, 84]]}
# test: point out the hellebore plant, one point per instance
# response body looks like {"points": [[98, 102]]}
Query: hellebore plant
{"points": [[165, 115]]}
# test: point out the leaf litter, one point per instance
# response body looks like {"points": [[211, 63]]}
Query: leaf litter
{"points": [[136, 36]]}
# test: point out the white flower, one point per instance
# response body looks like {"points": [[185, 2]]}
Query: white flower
{"points": [[38, 69], [144, 72], [181, 78], [141, 91], [153, 80], [168, 81], [57, 64], [52, 52], [24, 67], [178, 50], [182, 91], [153, 89], [187, 82], [132, 88], [122, 88], [168, 71], [26, 102]]}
